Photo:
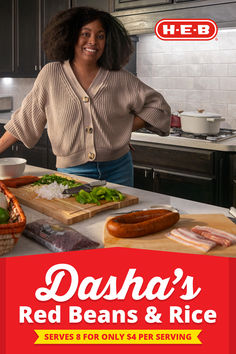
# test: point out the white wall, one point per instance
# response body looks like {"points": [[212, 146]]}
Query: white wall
{"points": [[192, 75]]}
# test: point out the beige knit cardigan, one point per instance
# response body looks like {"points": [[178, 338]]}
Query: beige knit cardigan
{"points": [[87, 126]]}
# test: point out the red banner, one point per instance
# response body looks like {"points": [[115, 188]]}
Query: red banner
{"points": [[118, 299]]}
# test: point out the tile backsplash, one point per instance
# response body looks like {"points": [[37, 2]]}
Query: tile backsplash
{"points": [[192, 75], [18, 88]]}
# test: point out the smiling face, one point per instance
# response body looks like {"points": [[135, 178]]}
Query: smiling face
{"points": [[91, 42]]}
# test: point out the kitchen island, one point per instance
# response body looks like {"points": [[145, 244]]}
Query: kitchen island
{"points": [[93, 227]]}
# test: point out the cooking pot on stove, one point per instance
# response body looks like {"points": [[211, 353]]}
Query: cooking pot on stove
{"points": [[201, 122]]}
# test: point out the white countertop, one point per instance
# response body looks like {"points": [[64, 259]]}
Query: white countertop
{"points": [[93, 228], [225, 145]]}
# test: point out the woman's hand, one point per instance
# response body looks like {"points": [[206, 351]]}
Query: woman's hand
{"points": [[6, 140], [138, 123]]}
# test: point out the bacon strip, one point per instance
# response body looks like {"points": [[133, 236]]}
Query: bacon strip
{"points": [[221, 237], [191, 238]]}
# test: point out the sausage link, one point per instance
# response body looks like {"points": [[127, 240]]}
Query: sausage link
{"points": [[19, 181], [138, 216], [141, 223]]}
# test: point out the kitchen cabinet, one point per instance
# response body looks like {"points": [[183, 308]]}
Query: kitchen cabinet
{"points": [[6, 36], [37, 156], [143, 17], [132, 4], [19, 31], [42, 12], [27, 37], [104, 5], [189, 173], [10, 151], [234, 193], [51, 158], [48, 10], [21, 26], [189, 186], [186, 0], [143, 177], [232, 178]]}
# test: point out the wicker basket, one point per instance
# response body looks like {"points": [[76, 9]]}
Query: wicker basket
{"points": [[10, 233]]}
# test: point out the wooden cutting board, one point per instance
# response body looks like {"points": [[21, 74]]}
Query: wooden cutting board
{"points": [[67, 210], [160, 242]]}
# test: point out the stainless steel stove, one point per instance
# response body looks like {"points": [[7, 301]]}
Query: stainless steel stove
{"points": [[224, 134]]}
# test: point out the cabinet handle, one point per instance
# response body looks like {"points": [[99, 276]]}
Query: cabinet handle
{"points": [[156, 181], [35, 68], [17, 147], [12, 148]]}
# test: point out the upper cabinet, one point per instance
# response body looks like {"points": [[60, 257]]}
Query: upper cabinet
{"points": [[26, 36], [176, 1], [104, 5], [182, 0], [21, 26], [6, 36], [140, 16], [19, 35], [135, 4], [132, 4], [48, 9]]}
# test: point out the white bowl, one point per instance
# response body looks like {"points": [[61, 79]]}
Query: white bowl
{"points": [[11, 167]]}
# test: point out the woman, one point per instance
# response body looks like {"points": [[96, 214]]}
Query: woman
{"points": [[90, 104]]}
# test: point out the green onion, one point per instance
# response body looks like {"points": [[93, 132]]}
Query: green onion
{"points": [[48, 179]]}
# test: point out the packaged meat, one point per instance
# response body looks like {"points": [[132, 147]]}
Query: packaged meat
{"points": [[57, 237]]}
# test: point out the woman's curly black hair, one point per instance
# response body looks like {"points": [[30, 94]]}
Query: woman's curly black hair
{"points": [[61, 35]]}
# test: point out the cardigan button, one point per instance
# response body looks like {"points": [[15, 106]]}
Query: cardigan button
{"points": [[91, 156], [89, 130], [85, 99]]}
